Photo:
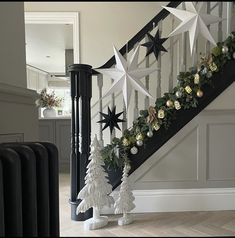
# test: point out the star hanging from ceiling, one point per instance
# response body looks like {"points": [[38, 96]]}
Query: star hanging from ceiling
{"points": [[111, 119], [127, 76], [155, 44], [193, 21]]}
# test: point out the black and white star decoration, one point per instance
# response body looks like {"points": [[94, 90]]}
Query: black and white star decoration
{"points": [[111, 119], [155, 44]]}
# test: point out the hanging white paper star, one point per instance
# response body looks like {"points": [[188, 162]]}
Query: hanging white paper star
{"points": [[126, 76], [194, 22]]}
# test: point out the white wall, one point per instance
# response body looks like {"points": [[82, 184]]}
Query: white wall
{"points": [[12, 44], [18, 110], [103, 24]]}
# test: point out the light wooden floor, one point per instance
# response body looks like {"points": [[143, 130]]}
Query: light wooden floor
{"points": [[219, 223]]}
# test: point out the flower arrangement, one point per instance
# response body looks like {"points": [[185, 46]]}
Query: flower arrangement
{"points": [[48, 100]]}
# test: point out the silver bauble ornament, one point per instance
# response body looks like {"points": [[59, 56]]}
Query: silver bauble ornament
{"points": [[224, 49], [178, 94], [233, 55], [139, 142], [209, 74], [150, 134], [134, 150]]}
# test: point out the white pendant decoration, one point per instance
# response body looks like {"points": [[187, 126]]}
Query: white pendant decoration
{"points": [[124, 203], [95, 192], [127, 76], [193, 21]]}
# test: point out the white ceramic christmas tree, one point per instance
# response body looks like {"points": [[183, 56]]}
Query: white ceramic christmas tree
{"points": [[124, 203], [95, 192]]}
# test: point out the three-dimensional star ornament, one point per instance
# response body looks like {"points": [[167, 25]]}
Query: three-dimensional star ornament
{"points": [[155, 44], [193, 21], [111, 119], [127, 76]]}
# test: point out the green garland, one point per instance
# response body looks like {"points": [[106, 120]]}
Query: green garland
{"points": [[184, 96]]}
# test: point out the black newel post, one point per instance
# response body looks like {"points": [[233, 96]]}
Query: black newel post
{"points": [[80, 77]]}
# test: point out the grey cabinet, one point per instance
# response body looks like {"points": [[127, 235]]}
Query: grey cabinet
{"points": [[58, 132]]}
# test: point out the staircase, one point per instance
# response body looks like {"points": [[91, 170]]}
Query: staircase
{"points": [[169, 65]]}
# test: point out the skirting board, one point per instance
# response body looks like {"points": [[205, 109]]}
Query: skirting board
{"points": [[179, 200]]}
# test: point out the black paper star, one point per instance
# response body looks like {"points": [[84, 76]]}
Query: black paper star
{"points": [[111, 119], [155, 44]]}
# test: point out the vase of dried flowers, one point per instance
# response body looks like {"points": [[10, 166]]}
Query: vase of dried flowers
{"points": [[49, 101], [49, 112]]}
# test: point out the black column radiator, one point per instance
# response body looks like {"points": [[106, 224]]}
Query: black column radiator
{"points": [[29, 189]]}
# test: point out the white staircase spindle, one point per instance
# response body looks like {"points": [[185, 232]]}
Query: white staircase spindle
{"points": [[184, 47], [158, 93], [171, 55], [124, 124], [136, 99], [208, 11], [195, 54], [220, 31], [100, 86], [229, 9], [146, 100], [136, 109], [112, 105]]}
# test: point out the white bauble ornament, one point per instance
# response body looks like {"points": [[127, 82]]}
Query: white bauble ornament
{"points": [[134, 150], [139, 142], [178, 94], [150, 134], [224, 49]]}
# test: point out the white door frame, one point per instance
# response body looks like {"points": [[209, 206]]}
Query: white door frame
{"points": [[58, 18]]}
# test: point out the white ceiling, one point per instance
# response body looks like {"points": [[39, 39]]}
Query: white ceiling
{"points": [[44, 40]]}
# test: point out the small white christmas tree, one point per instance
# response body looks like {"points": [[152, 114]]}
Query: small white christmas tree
{"points": [[95, 192], [124, 203]]}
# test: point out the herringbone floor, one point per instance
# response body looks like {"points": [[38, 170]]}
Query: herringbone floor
{"points": [[171, 224]]}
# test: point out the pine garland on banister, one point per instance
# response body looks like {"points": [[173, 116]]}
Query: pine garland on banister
{"points": [[184, 96]]}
